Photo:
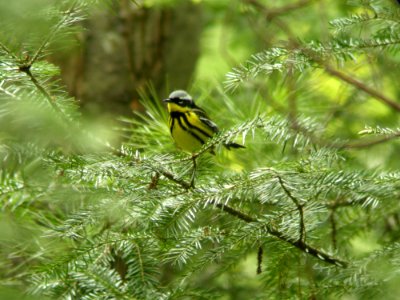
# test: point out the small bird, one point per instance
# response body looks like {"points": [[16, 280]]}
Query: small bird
{"points": [[189, 125]]}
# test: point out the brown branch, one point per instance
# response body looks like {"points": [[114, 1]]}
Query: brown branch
{"points": [[157, 171], [172, 177], [369, 143], [234, 212], [301, 245], [361, 86], [350, 79], [307, 249], [326, 66]]}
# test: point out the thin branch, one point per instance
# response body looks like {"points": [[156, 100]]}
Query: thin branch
{"points": [[369, 143], [234, 212], [26, 66], [292, 101], [173, 178], [350, 79], [27, 70], [310, 250], [326, 66], [302, 229], [360, 85], [299, 244]]}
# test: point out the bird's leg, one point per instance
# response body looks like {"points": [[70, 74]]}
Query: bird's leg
{"points": [[193, 171]]}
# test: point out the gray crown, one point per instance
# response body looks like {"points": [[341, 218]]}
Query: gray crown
{"points": [[180, 94]]}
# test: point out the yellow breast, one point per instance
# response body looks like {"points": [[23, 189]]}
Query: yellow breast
{"points": [[188, 131]]}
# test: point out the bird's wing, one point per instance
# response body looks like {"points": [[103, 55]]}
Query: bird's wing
{"points": [[210, 124], [205, 119]]}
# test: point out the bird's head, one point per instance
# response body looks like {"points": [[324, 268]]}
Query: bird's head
{"points": [[179, 101]]}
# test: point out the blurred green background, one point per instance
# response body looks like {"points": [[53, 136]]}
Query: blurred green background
{"points": [[83, 136]]}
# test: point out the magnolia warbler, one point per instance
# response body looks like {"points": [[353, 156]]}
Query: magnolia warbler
{"points": [[189, 125]]}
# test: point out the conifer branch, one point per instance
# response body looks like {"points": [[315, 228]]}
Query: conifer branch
{"points": [[234, 212], [352, 80], [302, 230], [307, 249], [301, 245], [26, 66], [27, 70], [52, 34], [295, 45], [173, 178], [372, 142]]}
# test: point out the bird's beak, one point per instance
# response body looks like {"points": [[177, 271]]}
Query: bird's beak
{"points": [[167, 100]]}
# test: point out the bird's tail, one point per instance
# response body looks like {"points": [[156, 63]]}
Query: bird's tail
{"points": [[233, 145]]}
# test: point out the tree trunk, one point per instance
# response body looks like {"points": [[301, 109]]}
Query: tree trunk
{"points": [[126, 48]]}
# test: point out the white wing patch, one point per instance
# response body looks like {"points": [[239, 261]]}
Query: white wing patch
{"points": [[209, 123]]}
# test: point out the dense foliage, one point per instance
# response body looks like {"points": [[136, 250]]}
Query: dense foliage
{"points": [[309, 209]]}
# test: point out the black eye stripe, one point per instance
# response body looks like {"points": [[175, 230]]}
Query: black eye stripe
{"points": [[182, 102]]}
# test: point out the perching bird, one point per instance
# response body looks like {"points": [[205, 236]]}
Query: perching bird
{"points": [[189, 125]]}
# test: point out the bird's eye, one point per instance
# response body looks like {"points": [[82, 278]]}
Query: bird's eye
{"points": [[181, 102]]}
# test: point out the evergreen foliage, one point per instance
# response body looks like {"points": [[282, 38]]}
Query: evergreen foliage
{"points": [[305, 211]]}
